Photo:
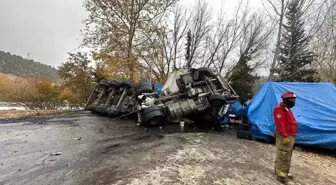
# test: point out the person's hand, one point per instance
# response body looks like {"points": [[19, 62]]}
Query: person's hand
{"points": [[285, 140]]}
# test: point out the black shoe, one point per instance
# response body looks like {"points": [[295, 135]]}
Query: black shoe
{"points": [[284, 180]]}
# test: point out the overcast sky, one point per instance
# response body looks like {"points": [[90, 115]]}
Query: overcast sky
{"points": [[48, 29]]}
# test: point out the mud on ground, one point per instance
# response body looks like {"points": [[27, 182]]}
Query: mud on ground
{"points": [[97, 150]]}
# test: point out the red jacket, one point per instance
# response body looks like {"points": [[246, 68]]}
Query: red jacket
{"points": [[286, 125]]}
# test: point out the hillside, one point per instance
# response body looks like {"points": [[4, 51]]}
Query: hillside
{"points": [[18, 66]]}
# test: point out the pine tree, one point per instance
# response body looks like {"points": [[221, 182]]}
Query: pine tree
{"points": [[295, 59], [188, 46], [242, 79]]}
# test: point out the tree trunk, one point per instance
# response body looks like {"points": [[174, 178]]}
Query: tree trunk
{"points": [[130, 41], [272, 70]]}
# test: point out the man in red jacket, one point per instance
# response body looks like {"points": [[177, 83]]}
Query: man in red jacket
{"points": [[286, 130]]}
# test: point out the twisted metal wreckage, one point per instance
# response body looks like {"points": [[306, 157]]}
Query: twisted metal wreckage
{"points": [[199, 95]]}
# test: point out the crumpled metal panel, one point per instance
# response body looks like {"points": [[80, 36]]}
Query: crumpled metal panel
{"points": [[171, 85]]}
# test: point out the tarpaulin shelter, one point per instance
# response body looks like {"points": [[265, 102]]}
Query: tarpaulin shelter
{"points": [[315, 112], [158, 87]]}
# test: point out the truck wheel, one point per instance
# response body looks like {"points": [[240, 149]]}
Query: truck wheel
{"points": [[153, 116], [113, 112], [144, 84], [127, 84], [101, 110], [144, 88], [104, 83], [114, 83], [91, 108]]}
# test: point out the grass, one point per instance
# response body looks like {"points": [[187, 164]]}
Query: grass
{"points": [[18, 114]]}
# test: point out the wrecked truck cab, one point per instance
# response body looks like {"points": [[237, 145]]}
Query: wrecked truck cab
{"points": [[196, 94]]}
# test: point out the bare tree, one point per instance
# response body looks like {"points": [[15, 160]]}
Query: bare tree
{"points": [[200, 26], [218, 43], [254, 41], [324, 44], [171, 42], [164, 49], [228, 35], [181, 23]]}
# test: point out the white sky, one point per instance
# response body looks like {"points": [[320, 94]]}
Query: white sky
{"points": [[49, 29]]}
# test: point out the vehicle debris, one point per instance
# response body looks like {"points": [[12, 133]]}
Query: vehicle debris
{"points": [[199, 95], [69, 173], [56, 153]]}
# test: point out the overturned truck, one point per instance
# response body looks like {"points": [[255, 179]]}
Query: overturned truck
{"points": [[198, 95]]}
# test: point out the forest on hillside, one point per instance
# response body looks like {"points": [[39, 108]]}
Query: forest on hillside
{"points": [[16, 65]]}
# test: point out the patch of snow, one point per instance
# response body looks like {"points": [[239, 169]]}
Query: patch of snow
{"points": [[11, 108]]}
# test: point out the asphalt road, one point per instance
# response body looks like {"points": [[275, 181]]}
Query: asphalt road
{"points": [[97, 150]]}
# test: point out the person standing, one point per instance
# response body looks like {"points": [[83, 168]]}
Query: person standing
{"points": [[286, 130]]}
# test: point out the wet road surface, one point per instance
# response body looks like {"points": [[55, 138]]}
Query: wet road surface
{"points": [[97, 150]]}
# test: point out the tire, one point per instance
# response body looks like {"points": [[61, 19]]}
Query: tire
{"points": [[113, 112], [144, 84], [128, 84], [113, 83], [144, 89], [104, 83], [101, 110], [151, 109], [91, 108], [153, 116]]}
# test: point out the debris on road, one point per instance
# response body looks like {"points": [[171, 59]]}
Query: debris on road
{"points": [[78, 138], [69, 173], [56, 153]]}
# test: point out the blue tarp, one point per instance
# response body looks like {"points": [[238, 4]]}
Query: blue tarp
{"points": [[158, 87], [236, 109], [315, 112]]}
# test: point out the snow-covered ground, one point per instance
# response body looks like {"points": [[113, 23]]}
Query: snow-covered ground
{"points": [[11, 108], [23, 108]]}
